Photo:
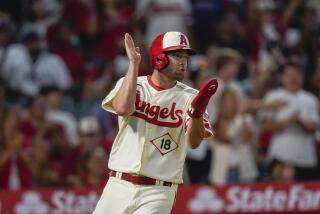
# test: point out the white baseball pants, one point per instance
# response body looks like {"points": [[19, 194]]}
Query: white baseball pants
{"points": [[122, 197]]}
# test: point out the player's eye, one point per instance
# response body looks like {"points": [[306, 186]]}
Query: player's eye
{"points": [[179, 56]]}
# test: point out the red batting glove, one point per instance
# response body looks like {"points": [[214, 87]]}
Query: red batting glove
{"points": [[201, 100]]}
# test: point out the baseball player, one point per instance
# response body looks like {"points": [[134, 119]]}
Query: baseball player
{"points": [[159, 117]]}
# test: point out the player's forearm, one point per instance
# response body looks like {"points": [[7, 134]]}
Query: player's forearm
{"points": [[124, 101], [195, 132]]}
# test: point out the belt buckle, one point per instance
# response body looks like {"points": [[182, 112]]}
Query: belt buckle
{"points": [[115, 174], [163, 183], [119, 175], [159, 183]]}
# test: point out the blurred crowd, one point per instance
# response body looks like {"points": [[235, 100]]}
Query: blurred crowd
{"points": [[59, 58]]}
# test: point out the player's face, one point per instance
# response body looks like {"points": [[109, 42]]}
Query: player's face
{"points": [[178, 61]]}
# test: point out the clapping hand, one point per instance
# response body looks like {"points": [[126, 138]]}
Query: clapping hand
{"points": [[133, 52], [201, 100]]}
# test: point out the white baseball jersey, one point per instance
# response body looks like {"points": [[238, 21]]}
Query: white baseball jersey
{"points": [[151, 141]]}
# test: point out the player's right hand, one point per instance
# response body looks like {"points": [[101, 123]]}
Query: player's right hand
{"points": [[133, 52]]}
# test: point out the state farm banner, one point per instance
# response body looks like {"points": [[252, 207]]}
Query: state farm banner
{"points": [[255, 198], [55, 201]]}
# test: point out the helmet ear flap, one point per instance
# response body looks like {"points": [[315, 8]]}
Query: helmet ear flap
{"points": [[161, 61]]}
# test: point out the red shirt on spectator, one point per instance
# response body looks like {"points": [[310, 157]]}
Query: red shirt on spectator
{"points": [[23, 173]]}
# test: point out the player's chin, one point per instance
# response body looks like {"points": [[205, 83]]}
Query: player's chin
{"points": [[179, 76]]}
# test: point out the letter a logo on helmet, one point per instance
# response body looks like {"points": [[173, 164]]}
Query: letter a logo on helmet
{"points": [[183, 40], [166, 42]]}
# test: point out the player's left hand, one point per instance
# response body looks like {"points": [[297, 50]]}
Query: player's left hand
{"points": [[133, 52], [201, 100]]}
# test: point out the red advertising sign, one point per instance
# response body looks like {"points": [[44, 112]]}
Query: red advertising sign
{"points": [[48, 201], [255, 198]]}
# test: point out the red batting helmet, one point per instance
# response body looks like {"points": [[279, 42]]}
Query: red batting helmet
{"points": [[165, 42]]}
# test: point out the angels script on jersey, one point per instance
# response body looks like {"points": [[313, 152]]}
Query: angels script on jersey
{"points": [[167, 117]]}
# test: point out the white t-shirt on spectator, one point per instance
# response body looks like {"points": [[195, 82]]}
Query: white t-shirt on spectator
{"points": [[21, 74], [292, 144]]}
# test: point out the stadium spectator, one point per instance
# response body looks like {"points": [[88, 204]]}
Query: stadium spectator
{"points": [[27, 67], [113, 22], [89, 138], [15, 152], [63, 41], [202, 11], [45, 168], [293, 126], [38, 19], [227, 65], [230, 32], [34, 122], [54, 114], [6, 32], [93, 169], [84, 17], [234, 158]]}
